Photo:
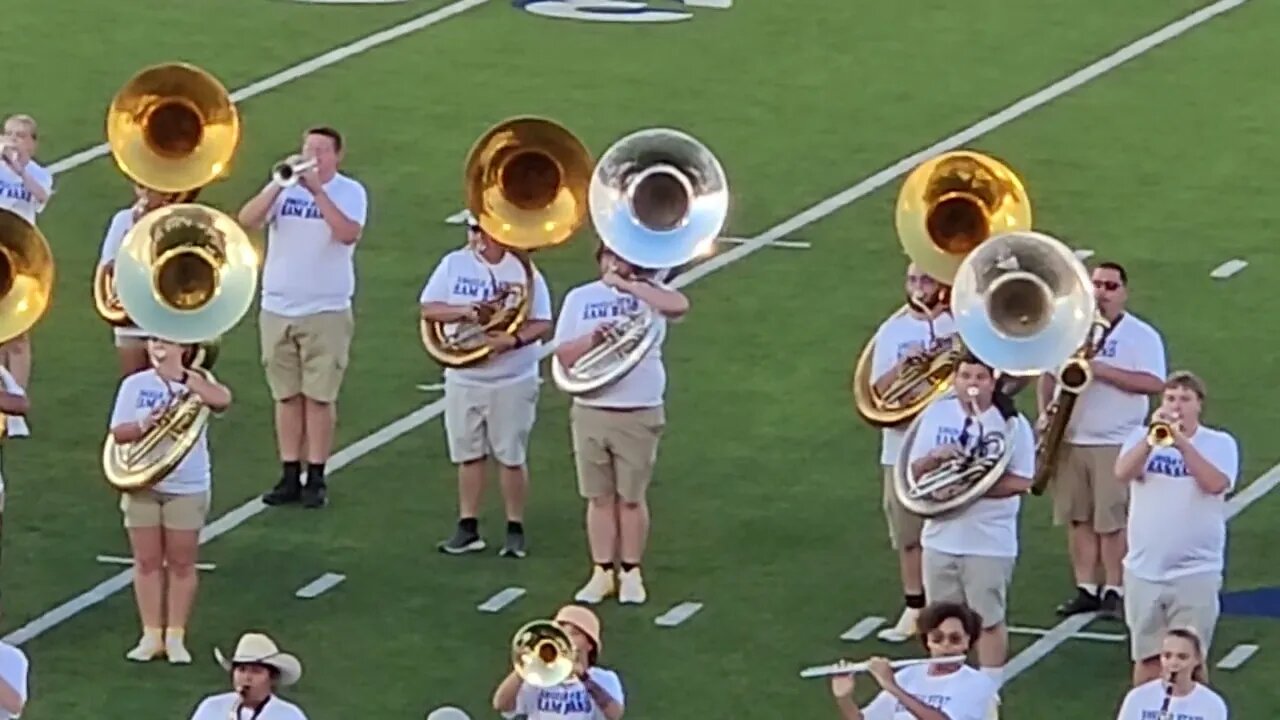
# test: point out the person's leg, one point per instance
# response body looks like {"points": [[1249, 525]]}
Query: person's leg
{"points": [[282, 363], [324, 341], [146, 542]]}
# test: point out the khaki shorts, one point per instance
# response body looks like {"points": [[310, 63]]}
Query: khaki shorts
{"points": [[1085, 488], [495, 422], [979, 581], [148, 508], [1151, 609], [615, 450], [904, 525], [306, 355]]}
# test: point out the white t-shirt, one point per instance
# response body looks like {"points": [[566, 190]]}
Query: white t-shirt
{"points": [[14, 195], [989, 526], [1175, 528], [306, 270], [463, 277], [121, 223], [589, 306], [892, 341], [14, 668], [965, 694], [218, 707], [1144, 703], [1105, 414], [138, 395], [569, 701]]}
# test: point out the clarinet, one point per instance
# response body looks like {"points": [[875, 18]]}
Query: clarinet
{"points": [[1168, 698]]}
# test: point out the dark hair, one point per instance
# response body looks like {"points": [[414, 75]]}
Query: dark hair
{"points": [[1117, 267], [1197, 673], [1002, 402], [932, 617], [328, 132]]}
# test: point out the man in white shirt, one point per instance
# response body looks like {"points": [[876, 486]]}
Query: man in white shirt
{"points": [[969, 555], [306, 323], [616, 429], [258, 670], [25, 188], [14, 671], [490, 407], [1177, 523], [926, 323], [1128, 367]]}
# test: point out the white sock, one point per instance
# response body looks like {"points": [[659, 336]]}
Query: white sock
{"points": [[1089, 588], [995, 673], [1113, 588]]}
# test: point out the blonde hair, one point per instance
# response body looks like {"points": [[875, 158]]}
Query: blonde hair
{"points": [[27, 120]]}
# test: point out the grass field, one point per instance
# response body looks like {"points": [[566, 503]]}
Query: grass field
{"points": [[766, 508]]}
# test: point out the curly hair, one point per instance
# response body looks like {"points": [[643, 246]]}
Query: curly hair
{"points": [[932, 617]]}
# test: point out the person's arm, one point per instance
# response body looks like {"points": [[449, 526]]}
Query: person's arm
{"points": [[669, 302], [1022, 466], [14, 404], [1149, 367], [504, 697], [1211, 479], [11, 701], [346, 218], [1131, 464], [609, 706], [38, 187], [211, 392], [254, 214]]}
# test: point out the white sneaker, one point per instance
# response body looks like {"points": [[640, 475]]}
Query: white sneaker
{"points": [[631, 588], [601, 585], [147, 649], [904, 630], [177, 651]]}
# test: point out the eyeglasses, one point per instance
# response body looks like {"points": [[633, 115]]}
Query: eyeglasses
{"points": [[1108, 285], [937, 637]]}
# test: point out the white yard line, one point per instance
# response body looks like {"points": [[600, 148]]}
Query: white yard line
{"points": [[827, 207]]}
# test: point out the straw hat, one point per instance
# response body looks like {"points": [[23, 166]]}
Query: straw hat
{"points": [[258, 649], [583, 619]]}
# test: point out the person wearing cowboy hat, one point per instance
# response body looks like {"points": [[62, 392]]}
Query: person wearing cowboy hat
{"points": [[258, 669], [591, 693], [164, 521]]}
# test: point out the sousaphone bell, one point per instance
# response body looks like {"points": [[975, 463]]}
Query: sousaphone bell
{"points": [[542, 654], [26, 275]]}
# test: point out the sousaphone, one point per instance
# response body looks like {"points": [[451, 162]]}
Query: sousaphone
{"points": [[26, 280], [526, 185], [659, 198]]}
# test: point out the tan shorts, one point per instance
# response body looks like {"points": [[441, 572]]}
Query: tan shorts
{"points": [[306, 355], [979, 581], [615, 450], [495, 422], [904, 526], [1151, 609], [148, 508], [1085, 489]]}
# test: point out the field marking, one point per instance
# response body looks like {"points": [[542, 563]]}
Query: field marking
{"points": [[303, 69], [501, 599], [823, 209], [118, 560], [1096, 636], [678, 614], [431, 387], [862, 629], [1228, 268], [320, 585], [788, 244], [1238, 656]]}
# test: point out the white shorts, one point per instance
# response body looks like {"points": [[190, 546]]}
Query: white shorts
{"points": [[482, 421], [1152, 609]]}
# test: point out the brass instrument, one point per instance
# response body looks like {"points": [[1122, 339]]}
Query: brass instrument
{"points": [[141, 464], [920, 381], [26, 275], [1160, 434], [105, 300], [659, 198], [526, 184], [173, 127], [286, 174], [1073, 377], [542, 654]]}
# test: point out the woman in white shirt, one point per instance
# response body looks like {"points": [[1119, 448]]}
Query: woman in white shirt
{"points": [[164, 521], [14, 670], [942, 691], [592, 693], [1180, 691]]}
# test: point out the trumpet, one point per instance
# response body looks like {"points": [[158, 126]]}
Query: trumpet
{"points": [[286, 174], [1160, 433], [845, 667]]}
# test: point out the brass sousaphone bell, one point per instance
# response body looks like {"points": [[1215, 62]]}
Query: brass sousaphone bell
{"points": [[26, 275], [948, 206], [542, 654], [659, 198], [526, 185]]}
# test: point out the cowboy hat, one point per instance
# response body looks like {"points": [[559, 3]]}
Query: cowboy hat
{"points": [[258, 649]]}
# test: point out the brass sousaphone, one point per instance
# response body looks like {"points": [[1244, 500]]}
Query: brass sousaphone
{"points": [[947, 207], [526, 185], [542, 654], [1023, 303], [26, 280], [659, 198]]}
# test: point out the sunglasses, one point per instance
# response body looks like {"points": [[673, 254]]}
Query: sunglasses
{"points": [[938, 637], [1108, 285]]}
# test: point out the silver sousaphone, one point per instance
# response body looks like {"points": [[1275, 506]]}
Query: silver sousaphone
{"points": [[1023, 303], [658, 199]]}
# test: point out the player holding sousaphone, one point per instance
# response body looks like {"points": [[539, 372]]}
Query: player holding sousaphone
{"points": [[947, 207], [659, 198], [184, 274]]}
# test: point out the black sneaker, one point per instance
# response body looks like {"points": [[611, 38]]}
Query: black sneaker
{"points": [[463, 541], [514, 546], [284, 493], [1083, 602], [1112, 606], [314, 495]]}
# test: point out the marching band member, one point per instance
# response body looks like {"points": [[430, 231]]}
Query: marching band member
{"points": [[942, 691], [164, 521], [14, 405], [592, 693], [25, 188], [1180, 691], [14, 669], [1177, 522], [1129, 366], [131, 341], [490, 407], [927, 320], [616, 430], [306, 323], [258, 670], [969, 556]]}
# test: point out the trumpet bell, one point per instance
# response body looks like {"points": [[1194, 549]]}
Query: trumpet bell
{"points": [[542, 654], [659, 198], [950, 205], [526, 182], [173, 127], [1160, 435], [187, 273], [26, 275], [1023, 303]]}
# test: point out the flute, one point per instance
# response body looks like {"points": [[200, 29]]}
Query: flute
{"points": [[845, 667]]}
